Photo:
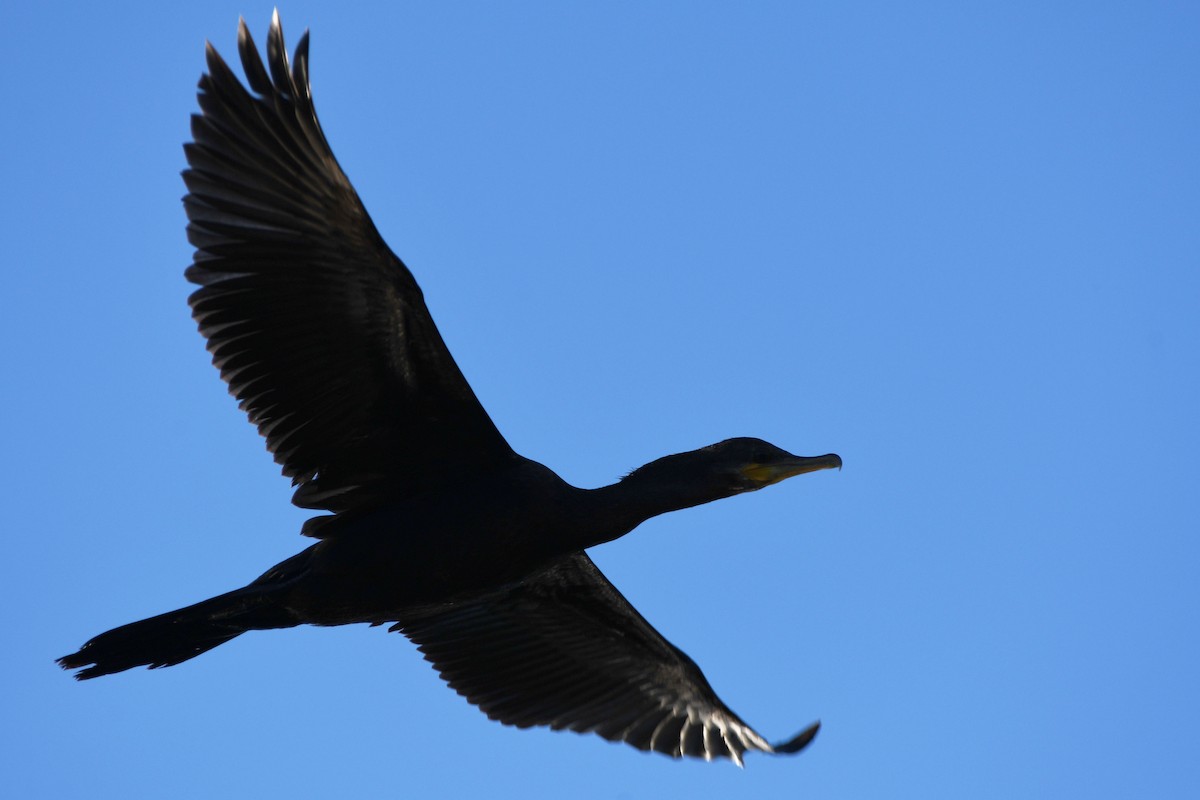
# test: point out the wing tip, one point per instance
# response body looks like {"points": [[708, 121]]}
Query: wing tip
{"points": [[798, 742]]}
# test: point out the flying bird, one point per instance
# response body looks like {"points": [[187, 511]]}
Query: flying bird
{"points": [[432, 524]]}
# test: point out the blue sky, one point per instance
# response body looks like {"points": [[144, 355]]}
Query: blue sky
{"points": [[958, 244]]}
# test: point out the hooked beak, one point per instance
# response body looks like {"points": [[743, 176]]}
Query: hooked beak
{"points": [[767, 474]]}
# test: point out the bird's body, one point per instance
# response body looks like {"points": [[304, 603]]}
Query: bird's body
{"points": [[436, 525], [373, 566]]}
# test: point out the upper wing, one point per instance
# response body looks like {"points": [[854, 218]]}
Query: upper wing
{"points": [[565, 649], [319, 329]]}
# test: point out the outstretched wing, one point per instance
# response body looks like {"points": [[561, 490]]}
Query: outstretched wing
{"points": [[320, 330], [564, 649]]}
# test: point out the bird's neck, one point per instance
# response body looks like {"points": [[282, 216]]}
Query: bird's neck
{"points": [[613, 511]]}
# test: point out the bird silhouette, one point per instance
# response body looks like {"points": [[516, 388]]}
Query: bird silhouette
{"points": [[433, 524]]}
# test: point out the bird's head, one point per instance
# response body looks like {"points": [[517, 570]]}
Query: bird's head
{"points": [[746, 464], [727, 468]]}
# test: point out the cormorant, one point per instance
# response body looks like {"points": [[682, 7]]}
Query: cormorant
{"points": [[436, 526]]}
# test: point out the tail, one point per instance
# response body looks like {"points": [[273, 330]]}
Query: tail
{"points": [[179, 635]]}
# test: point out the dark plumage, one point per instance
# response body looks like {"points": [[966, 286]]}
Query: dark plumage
{"points": [[436, 526]]}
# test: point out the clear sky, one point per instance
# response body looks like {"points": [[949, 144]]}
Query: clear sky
{"points": [[957, 243]]}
